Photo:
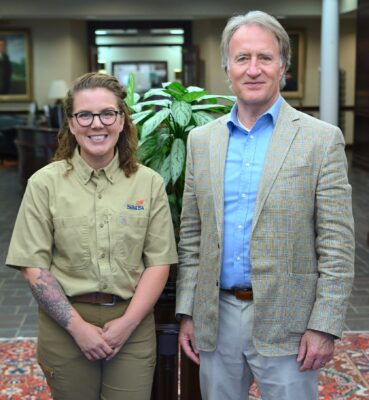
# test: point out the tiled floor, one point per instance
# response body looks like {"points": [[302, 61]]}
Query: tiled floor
{"points": [[18, 310]]}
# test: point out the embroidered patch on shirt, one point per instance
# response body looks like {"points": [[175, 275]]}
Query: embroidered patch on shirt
{"points": [[138, 205]]}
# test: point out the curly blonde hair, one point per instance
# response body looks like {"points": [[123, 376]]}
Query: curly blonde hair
{"points": [[127, 142]]}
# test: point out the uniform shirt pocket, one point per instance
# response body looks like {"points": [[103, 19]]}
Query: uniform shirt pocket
{"points": [[128, 233], [71, 241]]}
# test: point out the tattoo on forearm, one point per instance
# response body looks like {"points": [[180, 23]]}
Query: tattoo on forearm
{"points": [[51, 298]]}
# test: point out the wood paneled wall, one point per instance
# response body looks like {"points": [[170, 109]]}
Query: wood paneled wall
{"points": [[361, 135]]}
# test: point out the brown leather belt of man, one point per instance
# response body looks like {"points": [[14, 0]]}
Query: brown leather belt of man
{"points": [[241, 294], [103, 299]]}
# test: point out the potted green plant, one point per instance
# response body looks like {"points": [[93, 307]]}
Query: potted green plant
{"points": [[164, 117]]}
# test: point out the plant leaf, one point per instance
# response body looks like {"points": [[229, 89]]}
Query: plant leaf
{"points": [[136, 108], [210, 107], [189, 128], [176, 95], [172, 198], [165, 170], [152, 123], [164, 136], [181, 112], [156, 161], [195, 89], [175, 89], [136, 98], [130, 101], [162, 102], [138, 117], [177, 156], [202, 118], [208, 101], [176, 86], [232, 99], [190, 97], [155, 92], [147, 148]]}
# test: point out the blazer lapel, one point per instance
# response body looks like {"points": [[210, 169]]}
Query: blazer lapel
{"points": [[217, 154], [281, 140]]}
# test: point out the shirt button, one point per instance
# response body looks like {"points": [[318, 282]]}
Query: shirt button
{"points": [[238, 258], [99, 196], [104, 286], [247, 164], [239, 227], [101, 225], [251, 137], [103, 255], [243, 195]]}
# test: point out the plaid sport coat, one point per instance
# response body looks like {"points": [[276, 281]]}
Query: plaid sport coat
{"points": [[302, 241]]}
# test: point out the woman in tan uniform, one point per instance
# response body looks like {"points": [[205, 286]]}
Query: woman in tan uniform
{"points": [[94, 240]]}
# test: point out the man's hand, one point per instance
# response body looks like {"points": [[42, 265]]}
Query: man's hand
{"points": [[316, 349], [187, 339]]}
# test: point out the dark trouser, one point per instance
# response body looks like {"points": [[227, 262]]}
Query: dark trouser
{"points": [[128, 376]]}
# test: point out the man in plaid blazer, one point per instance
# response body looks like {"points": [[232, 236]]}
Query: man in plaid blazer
{"points": [[267, 243]]}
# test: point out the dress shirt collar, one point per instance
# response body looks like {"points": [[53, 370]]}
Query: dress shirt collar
{"points": [[273, 112]]}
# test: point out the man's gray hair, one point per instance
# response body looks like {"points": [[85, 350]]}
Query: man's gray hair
{"points": [[265, 21]]}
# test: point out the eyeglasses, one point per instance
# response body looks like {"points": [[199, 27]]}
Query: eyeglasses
{"points": [[86, 118]]}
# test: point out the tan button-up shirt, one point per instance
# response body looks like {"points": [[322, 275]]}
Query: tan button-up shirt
{"points": [[95, 231]]}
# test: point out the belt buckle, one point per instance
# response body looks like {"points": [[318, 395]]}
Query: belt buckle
{"points": [[243, 294], [113, 303]]}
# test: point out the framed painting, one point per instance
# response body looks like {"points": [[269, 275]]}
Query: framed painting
{"points": [[148, 74], [15, 65], [295, 76]]}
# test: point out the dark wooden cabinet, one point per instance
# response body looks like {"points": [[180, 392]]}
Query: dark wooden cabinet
{"points": [[36, 147]]}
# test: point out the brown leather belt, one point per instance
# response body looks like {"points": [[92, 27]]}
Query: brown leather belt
{"points": [[241, 294], [103, 299]]}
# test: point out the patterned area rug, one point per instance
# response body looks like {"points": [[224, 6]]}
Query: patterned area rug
{"points": [[345, 377], [20, 376]]}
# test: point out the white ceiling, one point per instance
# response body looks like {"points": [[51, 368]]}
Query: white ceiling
{"points": [[157, 9]]}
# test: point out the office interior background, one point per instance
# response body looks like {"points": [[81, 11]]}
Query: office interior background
{"points": [[70, 37], [62, 41]]}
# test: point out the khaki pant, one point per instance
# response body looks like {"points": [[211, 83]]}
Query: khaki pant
{"points": [[128, 376], [228, 372]]}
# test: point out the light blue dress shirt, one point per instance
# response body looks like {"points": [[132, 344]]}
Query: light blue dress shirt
{"points": [[244, 165]]}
